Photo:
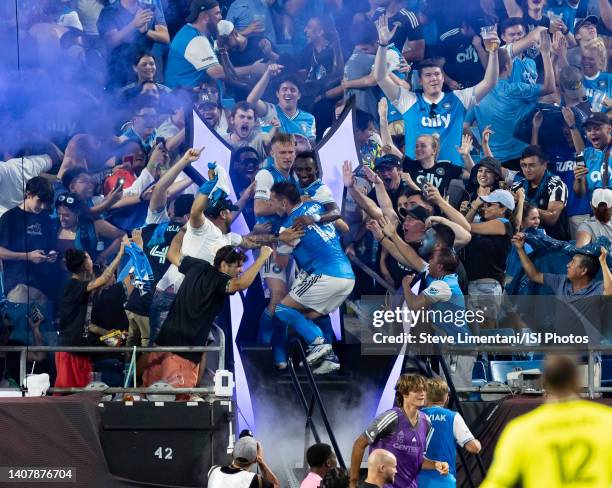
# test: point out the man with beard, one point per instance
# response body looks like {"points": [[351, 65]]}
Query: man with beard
{"points": [[243, 131], [292, 119], [191, 58], [382, 467]]}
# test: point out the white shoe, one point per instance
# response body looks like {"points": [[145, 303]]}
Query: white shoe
{"points": [[316, 353], [329, 365]]}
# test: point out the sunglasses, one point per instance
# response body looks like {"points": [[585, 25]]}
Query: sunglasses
{"points": [[66, 199]]}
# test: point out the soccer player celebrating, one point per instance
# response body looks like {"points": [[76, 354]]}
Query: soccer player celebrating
{"points": [[404, 431], [326, 278], [432, 111], [449, 429], [561, 443]]}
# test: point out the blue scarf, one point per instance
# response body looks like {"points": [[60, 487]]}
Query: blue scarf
{"points": [[138, 264], [157, 239]]}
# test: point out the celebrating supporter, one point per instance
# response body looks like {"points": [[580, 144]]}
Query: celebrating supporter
{"points": [[242, 130], [595, 173], [292, 119], [432, 111]]}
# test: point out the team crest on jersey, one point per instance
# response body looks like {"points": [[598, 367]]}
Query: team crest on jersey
{"points": [[446, 105], [440, 171], [601, 83], [304, 127]]}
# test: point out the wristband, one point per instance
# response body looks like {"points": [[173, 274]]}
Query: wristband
{"points": [[572, 127], [316, 217], [382, 45]]}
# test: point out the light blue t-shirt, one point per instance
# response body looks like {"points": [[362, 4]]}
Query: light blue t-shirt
{"points": [[190, 55], [596, 87], [302, 123], [444, 117], [502, 108], [523, 68], [318, 251]]}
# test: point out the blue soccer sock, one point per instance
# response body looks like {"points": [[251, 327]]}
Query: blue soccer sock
{"points": [[279, 341], [304, 327], [266, 325], [324, 323]]}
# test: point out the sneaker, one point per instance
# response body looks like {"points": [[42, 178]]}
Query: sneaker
{"points": [[329, 365], [316, 353], [281, 366]]}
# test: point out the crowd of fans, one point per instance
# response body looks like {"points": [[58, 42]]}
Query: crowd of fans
{"points": [[479, 127]]}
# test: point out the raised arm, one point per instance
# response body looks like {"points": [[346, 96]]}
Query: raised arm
{"points": [[513, 9], [548, 86], [254, 98], [491, 74], [434, 196], [570, 120], [385, 134], [363, 201], [605, 270], [174, 252], [246, 279], [606, 13], [530, 270], [108, 273], [159, 196], [390, 89], [200, 203]]}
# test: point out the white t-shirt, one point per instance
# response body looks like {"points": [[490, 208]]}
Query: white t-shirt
{"points": [[202, 243], [14, 175]]}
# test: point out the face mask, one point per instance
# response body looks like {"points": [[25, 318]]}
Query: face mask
{"points": [[428, 243]]}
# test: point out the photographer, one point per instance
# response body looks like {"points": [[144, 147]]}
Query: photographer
{"points": [[247, 452]]}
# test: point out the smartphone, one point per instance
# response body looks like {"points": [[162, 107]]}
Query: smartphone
{"points": [[35, 314], [580, 161], [119, 184], [51, 254], [160, 140]]}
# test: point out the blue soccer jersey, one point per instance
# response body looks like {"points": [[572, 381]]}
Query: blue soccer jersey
{"points": [[302, 123], [597, 87], [264, 180], [318, 251], [449, 429], [524, 68], [318, 191], [444, 117], [594, 159]]}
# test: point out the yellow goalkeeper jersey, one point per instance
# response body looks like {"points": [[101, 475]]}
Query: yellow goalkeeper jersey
{"points": [[565, 444]]}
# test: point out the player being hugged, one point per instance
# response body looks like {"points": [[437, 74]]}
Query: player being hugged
{"points": [[326, 278]]}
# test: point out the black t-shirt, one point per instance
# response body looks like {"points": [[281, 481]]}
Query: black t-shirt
{"points": [[108, 312], [462, 61], [408, 28], [138, 302], [17, 228], [534, 51], [73, 311], [254, 484], [318, 65], [439, 175], [554, 191], [198, 301], [367, 485], [485, 255]]}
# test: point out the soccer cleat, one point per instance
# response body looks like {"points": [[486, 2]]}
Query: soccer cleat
{"points": [[329, 365], [281, 366], [316, 353]]}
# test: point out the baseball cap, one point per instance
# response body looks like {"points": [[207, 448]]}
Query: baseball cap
{"points": [[591, 19], [417, 212], [492, 164], [225, 28], [503, 197], [602, 195], [570, 81], [387, 160], [245, 450], [198, 6], [596, 118], [225, 204]]}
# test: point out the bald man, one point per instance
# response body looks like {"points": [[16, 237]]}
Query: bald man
{"points": [[565, 442], [382, 467]]}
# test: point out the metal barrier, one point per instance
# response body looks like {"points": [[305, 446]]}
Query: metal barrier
{"points": [[23, 350], [296, 346]]}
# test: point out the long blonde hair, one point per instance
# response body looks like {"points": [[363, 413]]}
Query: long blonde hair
{"points": [[435, 142]]}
